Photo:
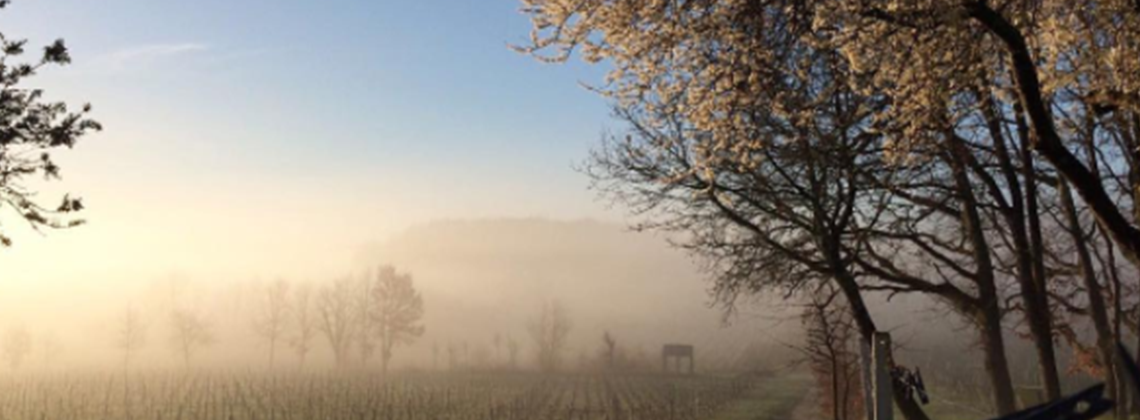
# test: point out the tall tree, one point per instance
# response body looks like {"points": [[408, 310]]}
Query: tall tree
{"points": [[792, 208], [364, 304], [397, 310], [273, 315], [337, 318], [31, 128], [130, 336], [190, 333], [303, 320]]}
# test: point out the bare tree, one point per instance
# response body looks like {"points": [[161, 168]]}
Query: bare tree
{"points": [[435, 355], [190, 332], [273, 315], [50, 349], [304, 321], [452, 357], [366, 329], [512, 353], [465, 362], [549, 331], [17, 346], [480, 358], [497, 341], [829, 351], [337, 318], [785, 216], [609, 350], [131, 335], [397, 309]]}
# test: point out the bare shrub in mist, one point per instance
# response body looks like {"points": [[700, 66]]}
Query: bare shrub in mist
{"points": [[49, 349], [550, 331], [190, 332], [512, 353], [609, 350], [17, 346], [131, 335]]}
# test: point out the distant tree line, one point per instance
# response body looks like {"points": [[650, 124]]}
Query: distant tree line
{"points": [[379, 309]]}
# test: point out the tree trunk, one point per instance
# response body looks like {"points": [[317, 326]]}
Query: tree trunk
{"points": [[1036, 299], [1020, 215], [907, 406], [1097, 309], [997, 365], [993, 344], [1048, 142]]}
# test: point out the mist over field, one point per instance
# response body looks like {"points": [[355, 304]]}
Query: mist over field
{"points": [[570, 209], [478, 278]]}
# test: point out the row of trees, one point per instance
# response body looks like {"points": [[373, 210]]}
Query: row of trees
{"points": [[886, 146], [549, 331], [460, 356], [17, 346], [357, 318], [379, 310]]}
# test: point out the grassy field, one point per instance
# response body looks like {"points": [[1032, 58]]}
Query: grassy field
{"points": [[772, 398], [399, 397]]}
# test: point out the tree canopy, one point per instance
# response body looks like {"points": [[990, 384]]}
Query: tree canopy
{"points": [[709, 62]]}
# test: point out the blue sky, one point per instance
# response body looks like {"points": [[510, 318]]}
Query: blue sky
{"points": [[302, 128]]}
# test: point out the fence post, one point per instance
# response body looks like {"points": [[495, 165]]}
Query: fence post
{"points": [[865, 368], [881, 377]]}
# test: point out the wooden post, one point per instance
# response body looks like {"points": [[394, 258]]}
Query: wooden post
{"points": [[866, 368], [881, 377]]}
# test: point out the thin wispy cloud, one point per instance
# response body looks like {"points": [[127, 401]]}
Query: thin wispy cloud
{"points": [[144, 54]]}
